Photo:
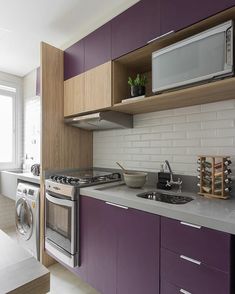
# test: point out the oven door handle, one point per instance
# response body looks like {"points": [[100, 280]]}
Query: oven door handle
{"points": [[58, 201]]}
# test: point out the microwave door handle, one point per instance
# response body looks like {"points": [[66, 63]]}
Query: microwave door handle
{"points": [[58, 201]]}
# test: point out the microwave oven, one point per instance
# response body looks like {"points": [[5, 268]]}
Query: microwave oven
{"points": [[202, 57]]}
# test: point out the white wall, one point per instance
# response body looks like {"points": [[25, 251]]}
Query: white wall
{"points": [[31, 121], [178, 135], [17, 82]]}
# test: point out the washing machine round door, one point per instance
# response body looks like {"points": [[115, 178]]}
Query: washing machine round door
{"points": [[24, 218]]}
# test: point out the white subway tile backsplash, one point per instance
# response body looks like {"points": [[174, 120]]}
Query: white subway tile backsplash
{"points": [[201, 117], [201, 134], [186, 143], [217, 124], [225, 114], [178, 135], [218, 142]]}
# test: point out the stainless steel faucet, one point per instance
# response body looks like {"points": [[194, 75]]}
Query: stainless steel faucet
{"points": [[172, 182]]}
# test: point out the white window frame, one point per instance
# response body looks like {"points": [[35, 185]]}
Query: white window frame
{"points": [[17, 148]]}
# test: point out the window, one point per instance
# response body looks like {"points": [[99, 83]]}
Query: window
{"points": [[8, 134]]}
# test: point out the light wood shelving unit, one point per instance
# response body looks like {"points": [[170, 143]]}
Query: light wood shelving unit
{"points": [[139, 61], [201, 94]]}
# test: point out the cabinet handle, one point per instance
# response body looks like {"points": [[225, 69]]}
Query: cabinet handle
{"points": [[190, 225], [190, 259], [184, 291], [117, 205], [162, 36]]}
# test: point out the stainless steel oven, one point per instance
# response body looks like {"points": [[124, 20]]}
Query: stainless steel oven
{"points": [[61, 223], [62, 211]]}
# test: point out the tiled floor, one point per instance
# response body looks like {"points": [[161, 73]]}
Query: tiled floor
{"points": [[65, 282], [11, 232], [62, 280]]}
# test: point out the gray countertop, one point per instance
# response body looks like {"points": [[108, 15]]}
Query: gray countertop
{"points": [[29, 177], [212, 213]]}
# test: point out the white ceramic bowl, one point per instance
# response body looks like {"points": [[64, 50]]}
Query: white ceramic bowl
{"points": [[135, 179]]}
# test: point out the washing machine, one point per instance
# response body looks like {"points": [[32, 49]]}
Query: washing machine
{"points": [[27, 217]]}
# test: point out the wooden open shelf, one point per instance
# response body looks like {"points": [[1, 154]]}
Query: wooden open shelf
{"points": [[200, 94]]}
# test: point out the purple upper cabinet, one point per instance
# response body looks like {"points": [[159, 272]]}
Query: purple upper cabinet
{"points": [[138, 252], [74, 60], [134, 27], [98, 47], [175, 16], [38, 81], [101, 245]]}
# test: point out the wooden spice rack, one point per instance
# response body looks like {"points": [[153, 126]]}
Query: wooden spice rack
{"points": [[213, 174]]}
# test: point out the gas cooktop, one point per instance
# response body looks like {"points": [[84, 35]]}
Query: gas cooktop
{"points": [[86, 177]]}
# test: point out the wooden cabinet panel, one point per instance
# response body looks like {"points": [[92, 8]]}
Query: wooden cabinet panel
{"points": [[98, 87], [134, 27], [38, 81], [138, 252], [185, 13], [74, 60], [74, 91], [98, 47]]}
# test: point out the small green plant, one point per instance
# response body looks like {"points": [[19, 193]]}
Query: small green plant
{"points": [[140, 80]]}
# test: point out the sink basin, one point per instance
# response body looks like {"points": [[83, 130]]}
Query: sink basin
{"points": [[167, 198]]}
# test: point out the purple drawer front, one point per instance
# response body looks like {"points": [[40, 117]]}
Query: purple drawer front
{"points": [[197, 279], [205, 245], [168, 288]]}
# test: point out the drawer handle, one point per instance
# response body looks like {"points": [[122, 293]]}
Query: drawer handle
{"points": [[160, 37], [116, 205], [191, 225], [184, 291], [190, 259]]}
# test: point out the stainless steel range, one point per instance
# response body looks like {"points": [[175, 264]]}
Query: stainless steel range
{"points": [[62, 213]]}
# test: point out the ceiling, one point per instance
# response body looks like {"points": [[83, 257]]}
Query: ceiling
{"points": [[25, 23]]}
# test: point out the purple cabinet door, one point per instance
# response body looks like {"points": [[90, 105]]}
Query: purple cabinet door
{"points": [[199, 243], [175, 16], [38, 81], [101, 245], [193, 277], [134, 27], [74, 60], [98, 47], [138, 252]]}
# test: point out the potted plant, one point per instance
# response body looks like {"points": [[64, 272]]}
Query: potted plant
{"points": [[137, 85]]}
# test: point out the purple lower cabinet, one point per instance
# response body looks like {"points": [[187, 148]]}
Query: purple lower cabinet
{"points": [[138, 252], [168, 288], [101, 245], [98, 47], [176, 16], [195, 278], [197, 242], [134, 27], [74, 60]]}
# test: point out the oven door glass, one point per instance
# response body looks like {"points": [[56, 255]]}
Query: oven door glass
{"points": [[60, 223]]}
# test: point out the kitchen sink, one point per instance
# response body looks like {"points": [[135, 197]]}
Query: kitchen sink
{"points": [[167, 198]]}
